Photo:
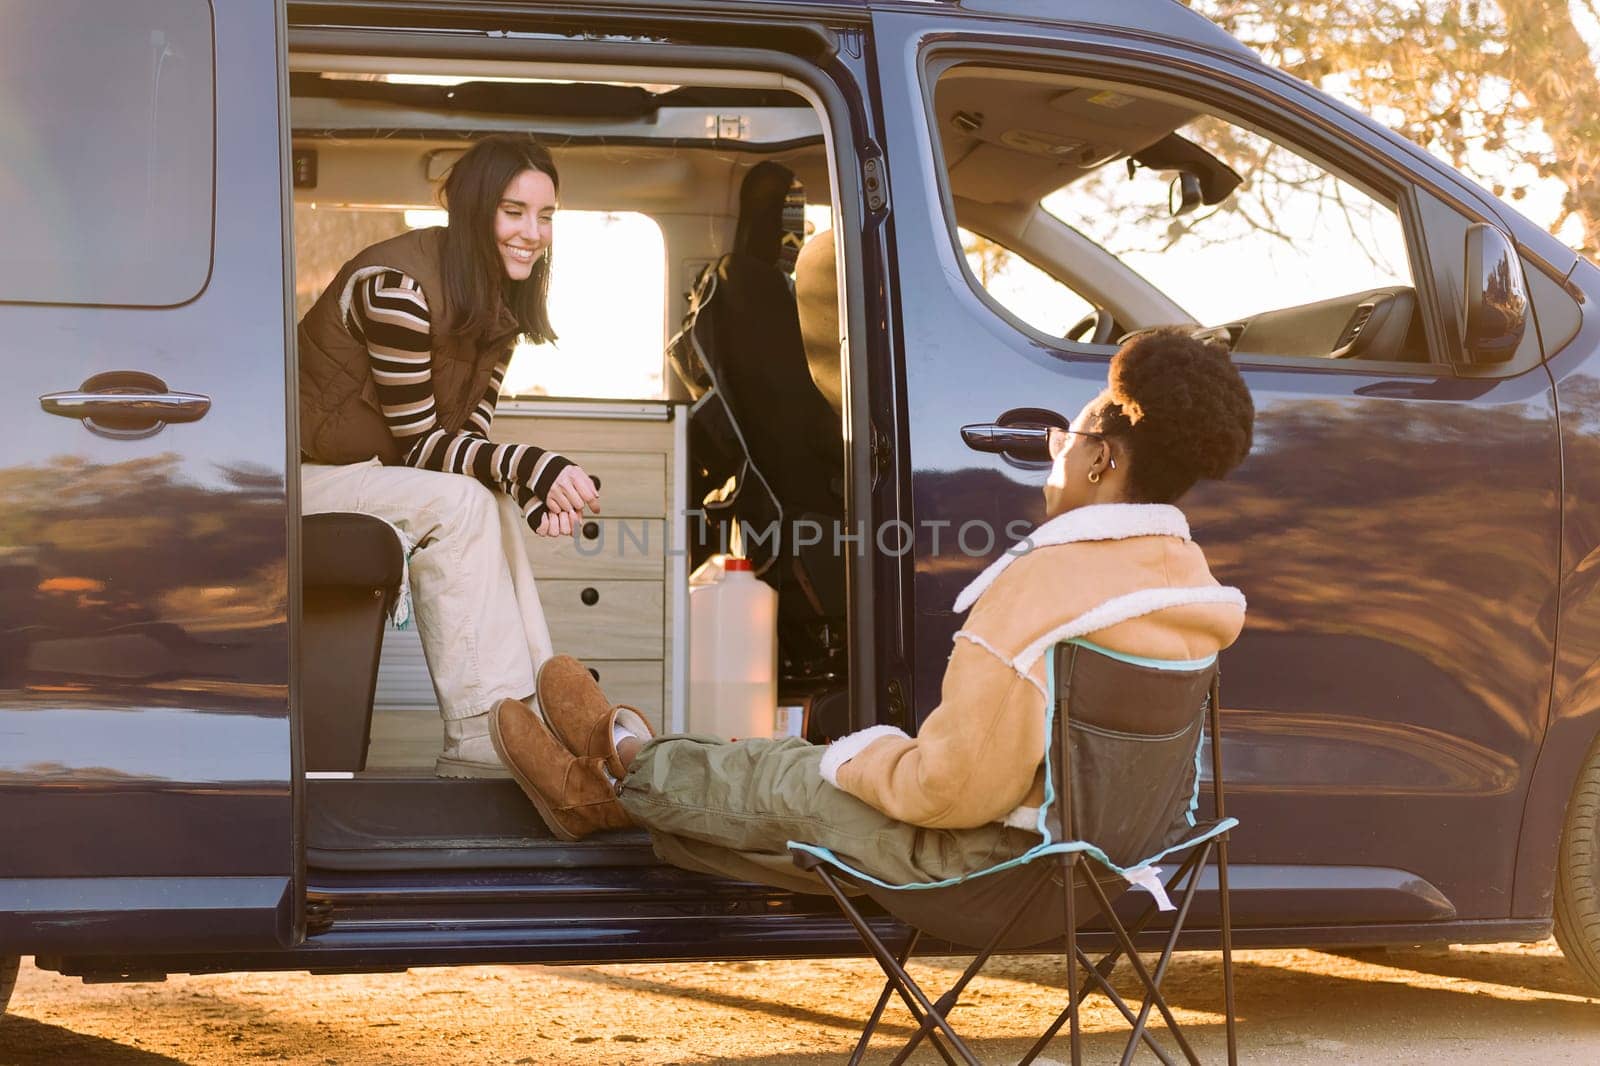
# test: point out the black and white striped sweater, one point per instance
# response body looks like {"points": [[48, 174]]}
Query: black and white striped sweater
{"points": [[389, 314]]}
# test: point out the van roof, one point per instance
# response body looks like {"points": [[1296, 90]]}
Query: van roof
{"points": [[1162, 18]]}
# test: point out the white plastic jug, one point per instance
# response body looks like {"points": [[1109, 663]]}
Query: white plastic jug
{"points": [[733, 651]]}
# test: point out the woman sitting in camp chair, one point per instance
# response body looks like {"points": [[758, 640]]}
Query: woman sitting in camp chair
{"points": [[1113, 566]]}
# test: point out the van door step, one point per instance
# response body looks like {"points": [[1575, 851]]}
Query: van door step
{"points": [[378, 822]]}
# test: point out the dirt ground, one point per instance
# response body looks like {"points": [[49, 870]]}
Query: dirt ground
{"points": [[1501, 1004]]}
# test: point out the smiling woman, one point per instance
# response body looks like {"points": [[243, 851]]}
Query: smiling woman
{"points": [[402, 359]]}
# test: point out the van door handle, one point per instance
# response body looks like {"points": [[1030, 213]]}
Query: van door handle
{"points": [[128, 406], [1022, 442]]}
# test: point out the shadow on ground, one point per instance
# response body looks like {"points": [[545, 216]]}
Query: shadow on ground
{"points": [[24, 1042]]}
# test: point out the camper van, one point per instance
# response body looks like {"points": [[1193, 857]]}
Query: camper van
{"points": [[217, 731]]}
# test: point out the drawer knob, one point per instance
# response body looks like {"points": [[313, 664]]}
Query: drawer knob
{"points": [[591, 531], [590, 596], [596, 479], [594, 673]]}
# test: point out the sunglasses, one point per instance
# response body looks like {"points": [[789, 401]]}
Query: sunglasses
{"points": [[1058, 438]]}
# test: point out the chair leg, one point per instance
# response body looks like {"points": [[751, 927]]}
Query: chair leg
{"points": [[1069, 863], [883, 1001], [1098, 975], [952, 995], [1227, 948], [944, 1005], [1070, 908], [1152, 991], [908, 989], [1186, 874], [948, 1001], [1189, 889]]}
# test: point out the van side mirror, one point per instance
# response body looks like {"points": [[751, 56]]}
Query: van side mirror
{"points": [[1496, 297]]}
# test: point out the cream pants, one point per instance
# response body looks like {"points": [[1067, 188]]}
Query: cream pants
{"points": [[473, 595]]}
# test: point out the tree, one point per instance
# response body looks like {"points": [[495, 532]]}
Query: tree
{"points": [[1504, 90], [986, 258]]}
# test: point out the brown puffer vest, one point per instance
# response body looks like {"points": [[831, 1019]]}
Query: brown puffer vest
{"points": [[340, 419]]}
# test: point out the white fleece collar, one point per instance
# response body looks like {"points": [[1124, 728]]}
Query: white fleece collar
{"points": [[1100, 521]]}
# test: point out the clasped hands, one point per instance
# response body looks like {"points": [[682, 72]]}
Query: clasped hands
{"points": [[569, 494]]}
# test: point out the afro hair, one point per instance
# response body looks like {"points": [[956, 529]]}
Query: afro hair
{"points": [[1181, 409]]}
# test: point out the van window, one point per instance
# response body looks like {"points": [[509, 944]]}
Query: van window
{"points": [[1170, 215], [106, 114], [1022, 288], [608, 292], [607, 295]]}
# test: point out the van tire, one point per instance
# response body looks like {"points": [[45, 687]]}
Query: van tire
{"points": [[9, 964], [1577, 908]]}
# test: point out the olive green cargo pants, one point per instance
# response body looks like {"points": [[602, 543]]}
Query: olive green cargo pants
{"points": [[731, 807]]}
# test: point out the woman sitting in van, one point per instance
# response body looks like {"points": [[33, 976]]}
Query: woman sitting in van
{"points": [[1114, 564], [401, 361]]}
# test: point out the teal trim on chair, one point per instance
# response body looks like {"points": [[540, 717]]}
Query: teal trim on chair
{"points": [[1140, 660], [1035, 852]]}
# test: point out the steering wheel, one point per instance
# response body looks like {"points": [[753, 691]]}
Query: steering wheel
{"points": [[1096, 327]]}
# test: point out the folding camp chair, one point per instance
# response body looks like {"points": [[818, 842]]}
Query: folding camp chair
{"points": [[1122, 769]]}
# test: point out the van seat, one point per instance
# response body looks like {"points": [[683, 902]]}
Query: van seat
{"points": [[351, 565]]}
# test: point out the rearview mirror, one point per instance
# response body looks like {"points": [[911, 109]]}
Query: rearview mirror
{"points": [[1185, 194], [1496, 297]]}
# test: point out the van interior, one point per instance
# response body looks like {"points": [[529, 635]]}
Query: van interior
{"points": [[688, 380]]}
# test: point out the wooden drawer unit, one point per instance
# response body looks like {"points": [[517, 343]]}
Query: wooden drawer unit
{"points": [[605, 619], [632, 484], [630, 549], [636, 682], [530, 422], [610, 592]]}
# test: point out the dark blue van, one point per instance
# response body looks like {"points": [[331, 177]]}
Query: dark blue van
{"points": [[215, 754]]}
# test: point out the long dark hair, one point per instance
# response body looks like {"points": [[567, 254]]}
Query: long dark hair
{"points": [[474, 275]]}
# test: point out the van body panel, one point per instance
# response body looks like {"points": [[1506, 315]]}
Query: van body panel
{"points": [[144, 602]]}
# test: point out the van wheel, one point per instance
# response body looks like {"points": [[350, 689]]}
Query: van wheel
{"points": [[8, 978], [1577, 910]]}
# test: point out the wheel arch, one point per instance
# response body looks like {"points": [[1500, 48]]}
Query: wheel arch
{"points": [[1572, 735]]}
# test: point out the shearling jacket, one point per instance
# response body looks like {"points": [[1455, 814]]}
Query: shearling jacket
{"points": [[1126, 577], [341, 420]]}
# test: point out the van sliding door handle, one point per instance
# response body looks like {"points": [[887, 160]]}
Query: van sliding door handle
{"points": [[1030, 442], [128, 406]]}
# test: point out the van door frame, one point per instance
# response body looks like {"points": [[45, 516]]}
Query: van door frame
{"points": [[839, 115]]}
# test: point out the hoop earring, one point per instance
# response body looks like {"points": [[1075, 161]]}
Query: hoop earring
{"points": [[1094, 477]]}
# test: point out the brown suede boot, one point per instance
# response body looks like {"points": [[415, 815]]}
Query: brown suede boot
{"points": [[580, 715], [573, 795]]}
